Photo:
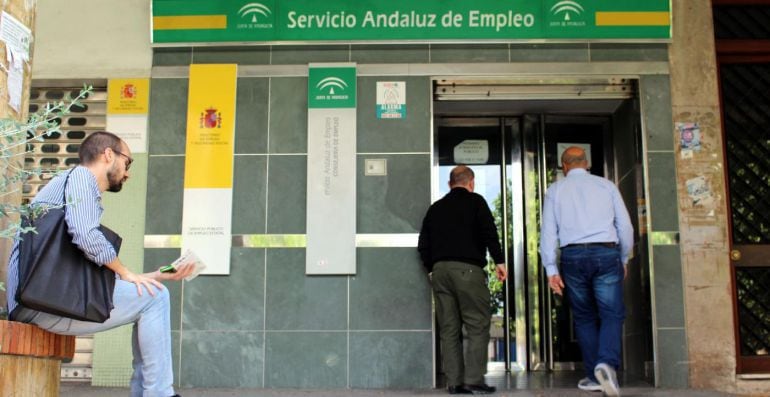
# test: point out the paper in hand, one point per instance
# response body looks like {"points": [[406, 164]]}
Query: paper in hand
{"points": [[190, 257]]}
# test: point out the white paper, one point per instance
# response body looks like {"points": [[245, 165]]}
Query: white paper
{"points": [[471, 151], [15, 35], [15, 78], [190, 257]]}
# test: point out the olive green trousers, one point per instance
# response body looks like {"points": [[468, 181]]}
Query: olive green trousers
{"points": [[462, 300]]}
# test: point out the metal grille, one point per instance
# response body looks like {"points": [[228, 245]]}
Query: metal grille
{"points": [[746, 99], [60, 150], [742, 22], [746, 107], [754, 310]]}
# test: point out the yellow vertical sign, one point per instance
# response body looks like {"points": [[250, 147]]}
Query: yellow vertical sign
{"points": [[210, 126]]}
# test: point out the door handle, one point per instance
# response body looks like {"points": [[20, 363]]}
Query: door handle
{"points": [[735, 255]]}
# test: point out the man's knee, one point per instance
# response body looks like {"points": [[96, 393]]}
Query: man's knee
{"points": [[160, 300], [164, 296]]}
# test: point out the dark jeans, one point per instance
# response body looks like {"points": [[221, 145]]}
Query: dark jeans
{"points": [[462, 300], [594, 282]]}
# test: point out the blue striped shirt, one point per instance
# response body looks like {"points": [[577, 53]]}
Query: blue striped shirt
{"points": [[583, 208], [83, 215]]}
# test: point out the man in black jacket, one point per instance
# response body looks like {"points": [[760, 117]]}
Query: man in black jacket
{"points": [[456, 233]]}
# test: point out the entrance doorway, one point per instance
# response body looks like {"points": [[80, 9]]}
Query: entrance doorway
{"points": [[514, 147]]}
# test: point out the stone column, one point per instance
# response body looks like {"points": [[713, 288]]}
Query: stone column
{"points": [[24, 11], [704, 225]]}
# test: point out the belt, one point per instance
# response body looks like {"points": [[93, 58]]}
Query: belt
{"points": [[588, 245]]}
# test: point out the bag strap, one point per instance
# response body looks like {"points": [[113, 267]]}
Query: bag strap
{"points": [[64, 191]]}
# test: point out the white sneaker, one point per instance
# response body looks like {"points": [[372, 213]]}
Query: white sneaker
{"points": [[589, 385], [608, 379]]}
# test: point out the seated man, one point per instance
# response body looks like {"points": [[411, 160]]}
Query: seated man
{"points": [[138, 298]]}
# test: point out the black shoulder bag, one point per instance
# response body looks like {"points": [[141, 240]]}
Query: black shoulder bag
{"points": [[54, 274]]}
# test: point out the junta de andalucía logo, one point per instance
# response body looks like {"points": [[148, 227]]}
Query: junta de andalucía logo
{"points": [[568, 13], [331, 83], [255, 16]]}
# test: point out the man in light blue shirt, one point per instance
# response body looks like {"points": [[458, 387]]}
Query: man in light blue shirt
{"points": [[586, 218], [139, 299]]}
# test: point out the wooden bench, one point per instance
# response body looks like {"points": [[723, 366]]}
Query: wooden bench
{"points": [[30, 359]]}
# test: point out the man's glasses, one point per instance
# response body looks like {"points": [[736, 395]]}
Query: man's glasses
{"points": [[129, 160]]}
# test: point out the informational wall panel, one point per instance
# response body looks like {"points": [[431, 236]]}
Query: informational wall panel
{"points": [[208, 176], [331, 169]]}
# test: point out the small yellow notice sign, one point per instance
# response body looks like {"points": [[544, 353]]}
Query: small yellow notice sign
{"points": [[128, 96]]}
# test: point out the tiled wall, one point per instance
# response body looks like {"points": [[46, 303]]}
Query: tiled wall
{"points": [[269, 325], [417, 53], [668, 305]]}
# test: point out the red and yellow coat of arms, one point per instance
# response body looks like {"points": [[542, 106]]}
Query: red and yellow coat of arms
{"points": [[211, 118]]}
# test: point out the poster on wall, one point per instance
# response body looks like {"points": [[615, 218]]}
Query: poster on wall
{"points": [[699, 191], [127, 104], [689, 139], [17, 37], [208, 171], [331, 169], [391, 99]]}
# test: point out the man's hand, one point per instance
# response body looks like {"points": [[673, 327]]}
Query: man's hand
{"points": [[181, 272], [556, 285], [625, 272], [502, 272], [142, 280]]}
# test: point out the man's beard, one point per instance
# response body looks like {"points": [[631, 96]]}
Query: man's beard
{"points": [[115, 183]]}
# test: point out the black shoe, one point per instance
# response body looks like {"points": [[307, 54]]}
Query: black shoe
{"points": [[176, 395], [481, 389], [458, 390]]}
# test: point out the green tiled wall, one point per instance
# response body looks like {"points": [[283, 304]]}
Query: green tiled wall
{"points": [[267, 322], [666, 263], [414, 53]]}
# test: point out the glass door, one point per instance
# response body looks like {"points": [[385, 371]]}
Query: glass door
{"points": [[491, 147]]}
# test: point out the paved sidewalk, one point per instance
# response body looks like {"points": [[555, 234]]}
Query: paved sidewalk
{"points": [[89, 391]]}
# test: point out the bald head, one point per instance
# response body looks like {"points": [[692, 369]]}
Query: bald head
{"points": [[573, 157], [461, 176]]}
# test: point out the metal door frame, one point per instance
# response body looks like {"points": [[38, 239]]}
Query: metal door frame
{"points": [[514, 255], [530, 353]]}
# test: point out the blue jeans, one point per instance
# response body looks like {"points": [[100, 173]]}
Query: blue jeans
{"points": [[151, 341], [593, 277]]}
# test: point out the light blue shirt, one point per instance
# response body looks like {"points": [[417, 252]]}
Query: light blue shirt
{"points": [[83, 216], [583, 208]]}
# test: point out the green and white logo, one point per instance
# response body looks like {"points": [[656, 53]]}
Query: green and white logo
{"points": [[567, 7], [567, 13], [332, 87], [256, 16], [330, 83]]}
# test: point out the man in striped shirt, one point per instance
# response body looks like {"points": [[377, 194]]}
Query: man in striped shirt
{"points": [[138, 299]]}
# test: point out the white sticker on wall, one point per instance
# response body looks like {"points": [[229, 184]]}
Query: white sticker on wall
{"points": [[472, 151]]}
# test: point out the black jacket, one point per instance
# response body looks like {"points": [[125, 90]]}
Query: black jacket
{"points": [[459, 227]]}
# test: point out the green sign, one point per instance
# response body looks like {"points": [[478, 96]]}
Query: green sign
{"points": [[195, 21], [331, 87]]}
